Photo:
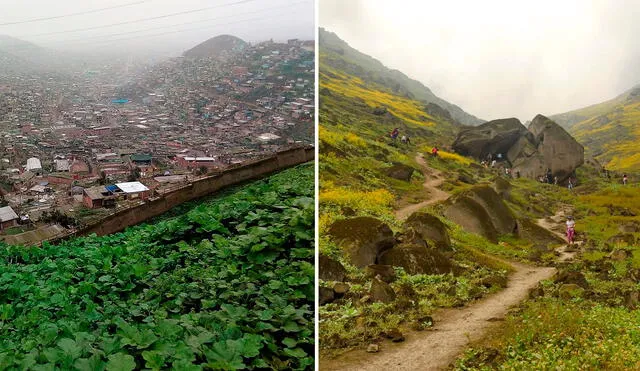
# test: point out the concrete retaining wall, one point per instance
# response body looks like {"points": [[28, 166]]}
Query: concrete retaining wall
{"points": [[199, 188]]}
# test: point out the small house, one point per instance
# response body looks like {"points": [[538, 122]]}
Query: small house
{"points": [[8, 218]]}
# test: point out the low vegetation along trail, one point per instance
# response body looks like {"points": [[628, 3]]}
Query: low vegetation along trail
{"points": [[433, 179], [454, 328], [436, 348]]}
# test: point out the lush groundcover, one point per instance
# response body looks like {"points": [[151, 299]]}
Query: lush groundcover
{"points": [[226, 284]]}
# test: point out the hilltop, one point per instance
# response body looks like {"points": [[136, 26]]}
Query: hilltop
{"points": [[338, 54], [608, 130], [216, 46]]}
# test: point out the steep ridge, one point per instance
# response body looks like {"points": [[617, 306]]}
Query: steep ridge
{"points": [[338, 54]]}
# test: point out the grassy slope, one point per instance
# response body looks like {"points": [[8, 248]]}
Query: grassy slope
{"points": [[592, 329], [354, 151], [340, 55], [546, 332], [609, 130]]}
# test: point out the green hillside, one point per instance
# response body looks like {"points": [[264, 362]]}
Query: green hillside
{"points": [[609, 131], [338, 54], [224, 283], [587, 314]]}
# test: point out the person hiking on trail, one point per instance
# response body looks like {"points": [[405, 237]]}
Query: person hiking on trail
{"points": [[555, 180], [394, 133], [489, 157], [434, 151], [571, 230], [624, 179], [493, 163], [499, 156], [405, 139], [570, 184]]}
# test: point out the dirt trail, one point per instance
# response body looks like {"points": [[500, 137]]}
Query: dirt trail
{"points": [[433, 179], [555, 225], [454, 329]]}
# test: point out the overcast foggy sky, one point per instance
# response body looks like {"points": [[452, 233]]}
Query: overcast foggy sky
{"points": [[251, 20], [500, 59]]}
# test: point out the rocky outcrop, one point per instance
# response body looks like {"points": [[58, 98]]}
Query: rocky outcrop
{"points": [[430, 229], [469, 214], [482, 211], [330, 269], [544, 145], [557, 148], [417, 259], [362, 239], [492, 137], [400, 171]]}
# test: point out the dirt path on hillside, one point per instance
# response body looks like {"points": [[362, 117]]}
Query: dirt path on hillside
{"points": [[433, 179], [454, 329], [556, 225]]}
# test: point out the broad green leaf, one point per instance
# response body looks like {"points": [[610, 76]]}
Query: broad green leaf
{"points": [[121, 362]]}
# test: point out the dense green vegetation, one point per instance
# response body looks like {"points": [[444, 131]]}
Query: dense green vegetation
{"points": [[595, 325], [228, 284]]}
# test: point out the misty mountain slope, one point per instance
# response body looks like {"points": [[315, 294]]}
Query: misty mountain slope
{"points": [[338, 54], [19, 56], [610, 131], [216, 46]]}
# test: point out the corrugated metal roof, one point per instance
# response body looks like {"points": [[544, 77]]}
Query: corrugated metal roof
{"points": [[7, 214], [132, 187], [33, 164]]}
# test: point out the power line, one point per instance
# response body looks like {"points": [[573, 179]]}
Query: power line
{"points": [[182, 24], [73, 14], [142, 19], [257, 19]]}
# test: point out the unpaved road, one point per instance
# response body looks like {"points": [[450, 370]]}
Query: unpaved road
{"points": [[433, 179], [454, 329]]}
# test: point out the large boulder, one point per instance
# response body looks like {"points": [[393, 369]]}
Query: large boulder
{"points": [[562, 154], [330, 269], [469, 214], [362, 239], [499, 213], [417, 259], [429, 228], [492, 137], [400, 171], [530, 152]]}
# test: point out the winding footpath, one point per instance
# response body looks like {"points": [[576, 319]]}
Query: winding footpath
{"points": [[455, 328], [433, 179]]}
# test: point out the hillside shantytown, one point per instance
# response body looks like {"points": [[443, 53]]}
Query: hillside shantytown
{"points": [[80, 142]]}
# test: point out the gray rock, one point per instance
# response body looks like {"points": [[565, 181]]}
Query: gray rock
{"points": [[400, 171], [384, 272], [416, 259], [430, 228], [381, 291], [330, 269], [326, 295], [362, 239]]}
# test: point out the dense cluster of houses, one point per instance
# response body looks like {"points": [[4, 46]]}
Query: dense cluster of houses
{"points": [[79, 141]]}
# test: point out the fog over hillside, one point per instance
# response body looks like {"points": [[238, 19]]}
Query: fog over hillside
{"points": [[500, 58], [153, 28]]}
